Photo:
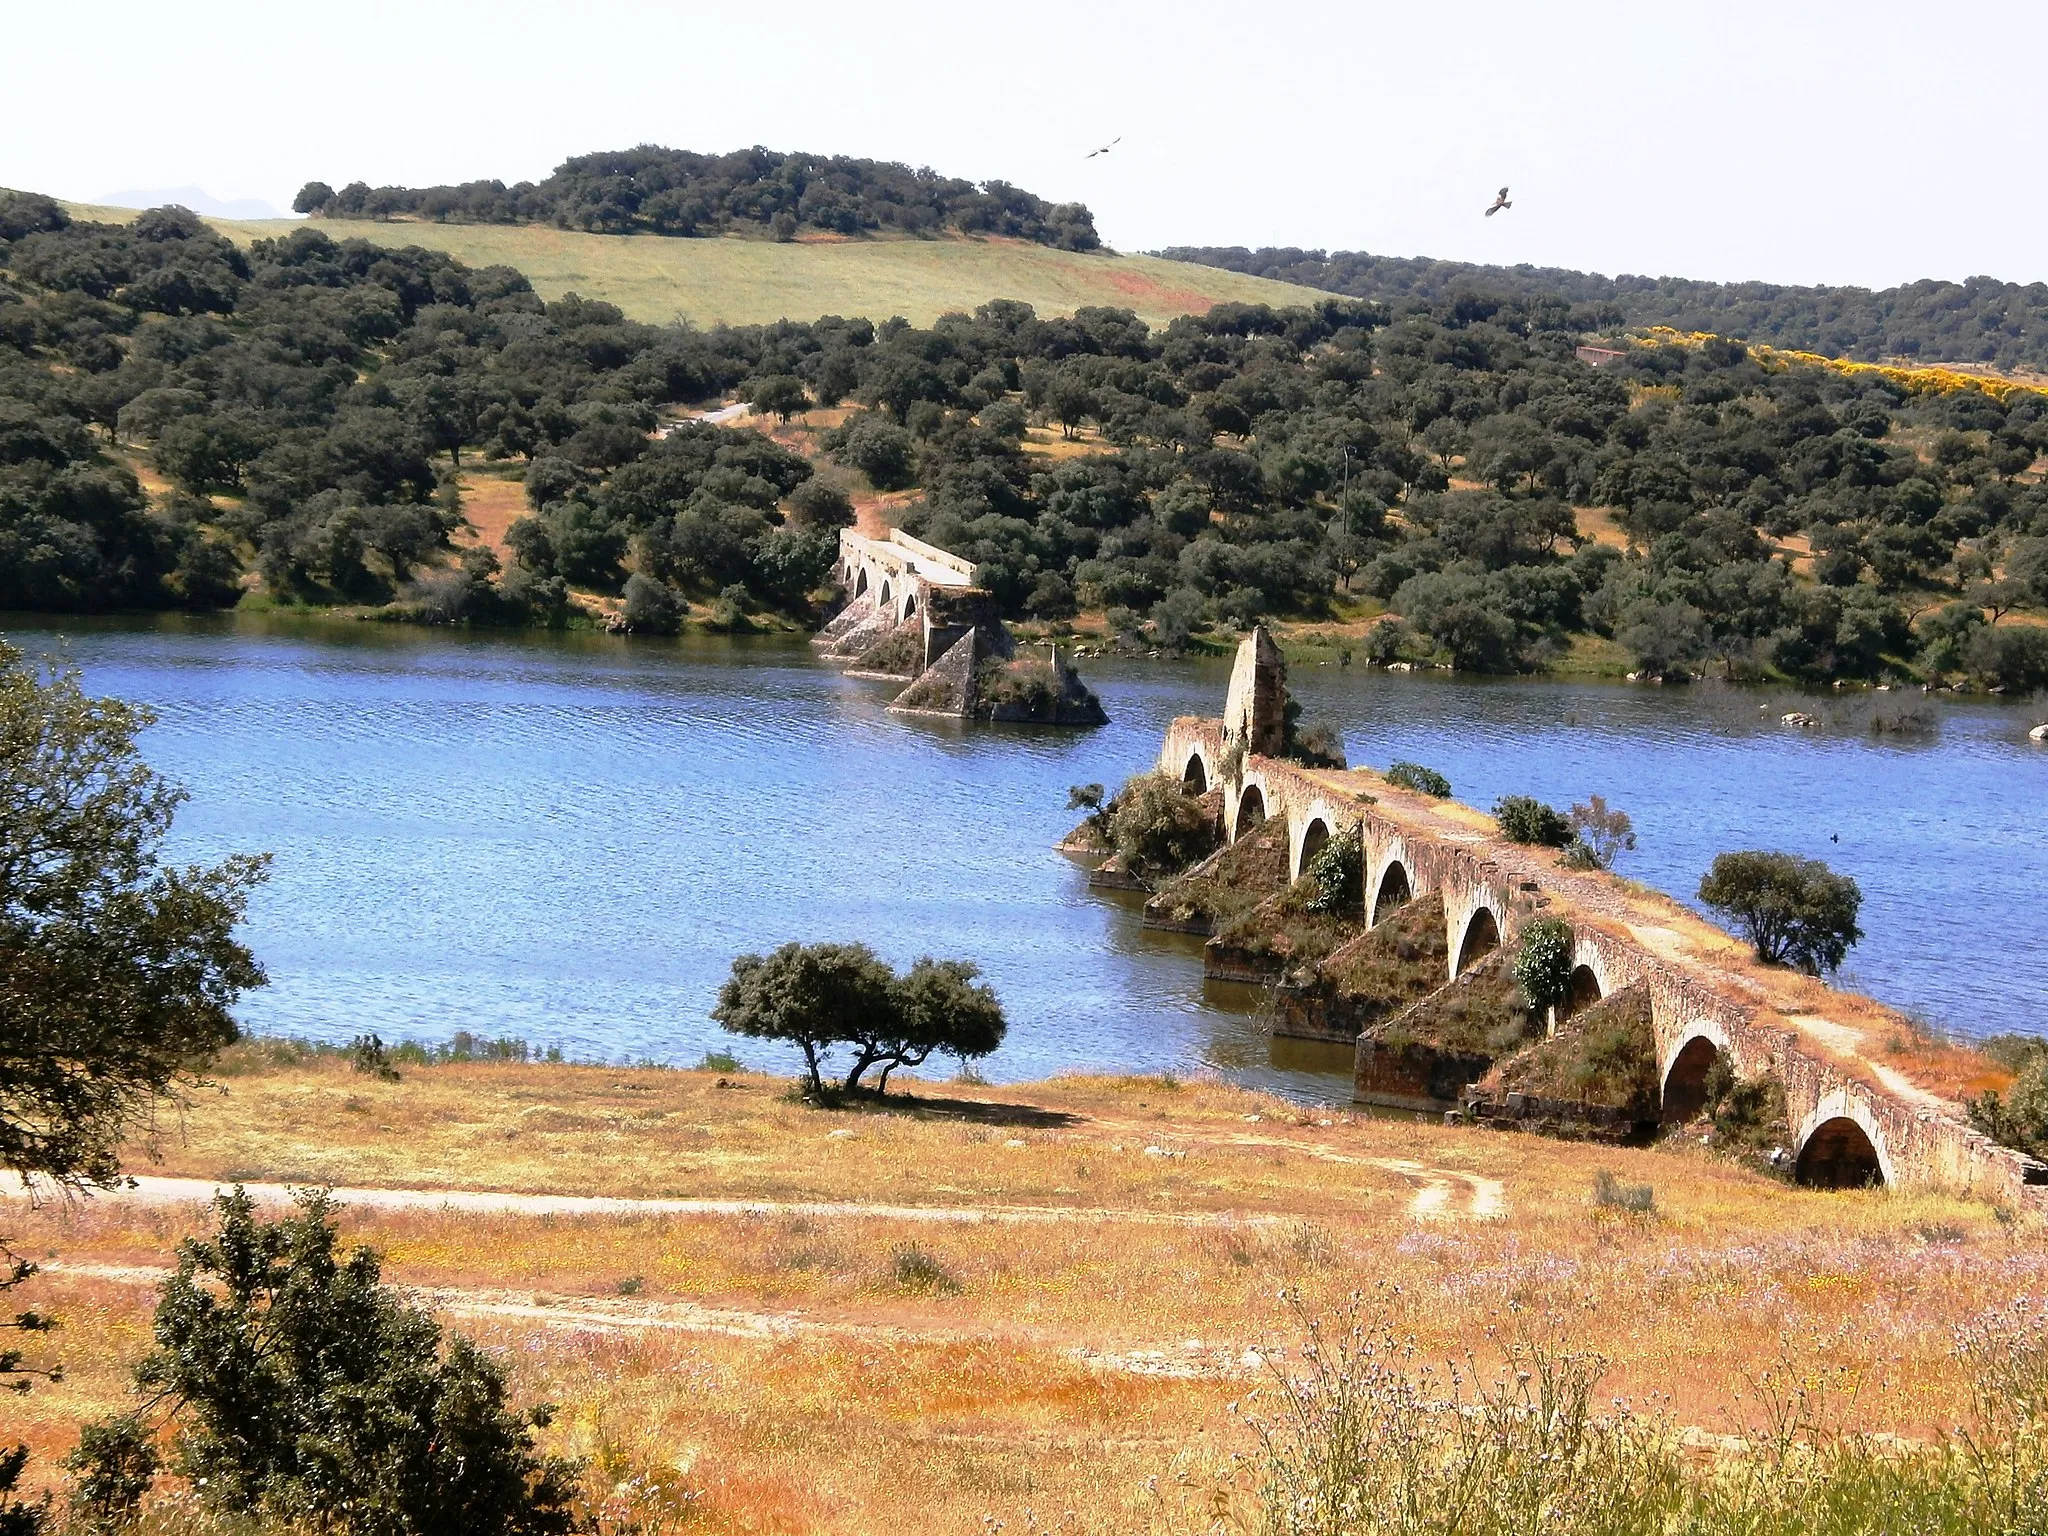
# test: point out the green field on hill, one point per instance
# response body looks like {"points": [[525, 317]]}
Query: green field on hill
{"points": [[751, 282]]}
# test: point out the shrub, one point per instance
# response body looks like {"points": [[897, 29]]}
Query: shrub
{"points": [[2010, 656], [820, 504], [729, 613], [1794, 911], [1609, 1193], [1599, 836], [367, 1056], [1157, 827], [650, 607], [899, 653], [1013, 688], [911, 1268], [877, 447], [1543, 965], [309, 1393], [2017, 1118], [1338, 870], [1526, 820], [1423, 781]]}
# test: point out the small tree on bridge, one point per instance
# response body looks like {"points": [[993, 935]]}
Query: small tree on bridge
{"points": [[1543, 965], [1794, 911]]}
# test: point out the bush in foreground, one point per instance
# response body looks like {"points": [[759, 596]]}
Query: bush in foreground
{"points": [[303, 1391]]}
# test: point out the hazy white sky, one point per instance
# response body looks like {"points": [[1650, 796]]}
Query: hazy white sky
{"points": [[1798, 141]]}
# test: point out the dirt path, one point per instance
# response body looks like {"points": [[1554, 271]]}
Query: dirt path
{"points": [[1433, 1187], [1189, 1358], [1433, 1199], [155, 1190]]}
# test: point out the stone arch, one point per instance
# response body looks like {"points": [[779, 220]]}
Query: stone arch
{"points": [[1840, 1146], [1395, 890], [1195, 777], [1685, 1080], [1482, 938], [860, 583], [885, 596], [1586, 989], [910, 606], [1313, 837], [1251, 810]]}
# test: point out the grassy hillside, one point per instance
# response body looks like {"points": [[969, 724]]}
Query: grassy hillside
{"points": [[749, 282]]}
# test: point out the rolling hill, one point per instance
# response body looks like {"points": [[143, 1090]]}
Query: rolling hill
{"points": [[751, 282]]}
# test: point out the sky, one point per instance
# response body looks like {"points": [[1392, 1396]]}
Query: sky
{"points": [[1797, 141]]}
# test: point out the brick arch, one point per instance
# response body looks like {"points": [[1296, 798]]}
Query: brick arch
{"points": [[1251, 803], [1836, 1136], [1269, 802], [1305, 843], [1396, 888], [1682, 1076], [1481, 936]]}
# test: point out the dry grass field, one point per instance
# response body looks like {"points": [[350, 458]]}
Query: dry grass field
{"points": [[752, 282], [1020, 1307]]}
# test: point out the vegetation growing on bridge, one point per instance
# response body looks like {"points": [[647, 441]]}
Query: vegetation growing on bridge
{"points": [[1424, 781]]}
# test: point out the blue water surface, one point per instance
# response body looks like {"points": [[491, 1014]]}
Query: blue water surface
{"points": [[566, 839]]}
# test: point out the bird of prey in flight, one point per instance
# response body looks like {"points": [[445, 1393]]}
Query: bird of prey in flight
{"points": [[1112, 144], [1499, 203]]}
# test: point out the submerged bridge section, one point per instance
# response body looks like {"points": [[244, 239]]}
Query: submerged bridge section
{"points": [[1853, 1119], [919, 608], [899, 580]]}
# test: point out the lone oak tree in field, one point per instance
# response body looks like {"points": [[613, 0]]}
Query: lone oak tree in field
{"points": [[117, 970], [1795, 911], [817, 996]]}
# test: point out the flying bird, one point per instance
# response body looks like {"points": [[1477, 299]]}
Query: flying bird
{"points": [[1112, 144], [1499, 203]]}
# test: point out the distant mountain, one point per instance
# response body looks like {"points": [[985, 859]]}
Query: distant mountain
{"points": [[1981, 320], [198, 199]]}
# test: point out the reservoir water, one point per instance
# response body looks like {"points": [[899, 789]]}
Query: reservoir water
{"points": [[566, 839]]}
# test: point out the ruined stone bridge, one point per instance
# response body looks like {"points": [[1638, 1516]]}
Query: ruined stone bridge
{"points": [[914, 610], [1853, 1118]]}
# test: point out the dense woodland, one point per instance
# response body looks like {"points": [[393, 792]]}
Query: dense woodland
{"points": [[307, 402], [759, 191], [1981, 320]]}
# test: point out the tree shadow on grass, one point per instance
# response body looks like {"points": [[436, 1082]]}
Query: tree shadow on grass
{"points": [[967, 1111]]}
